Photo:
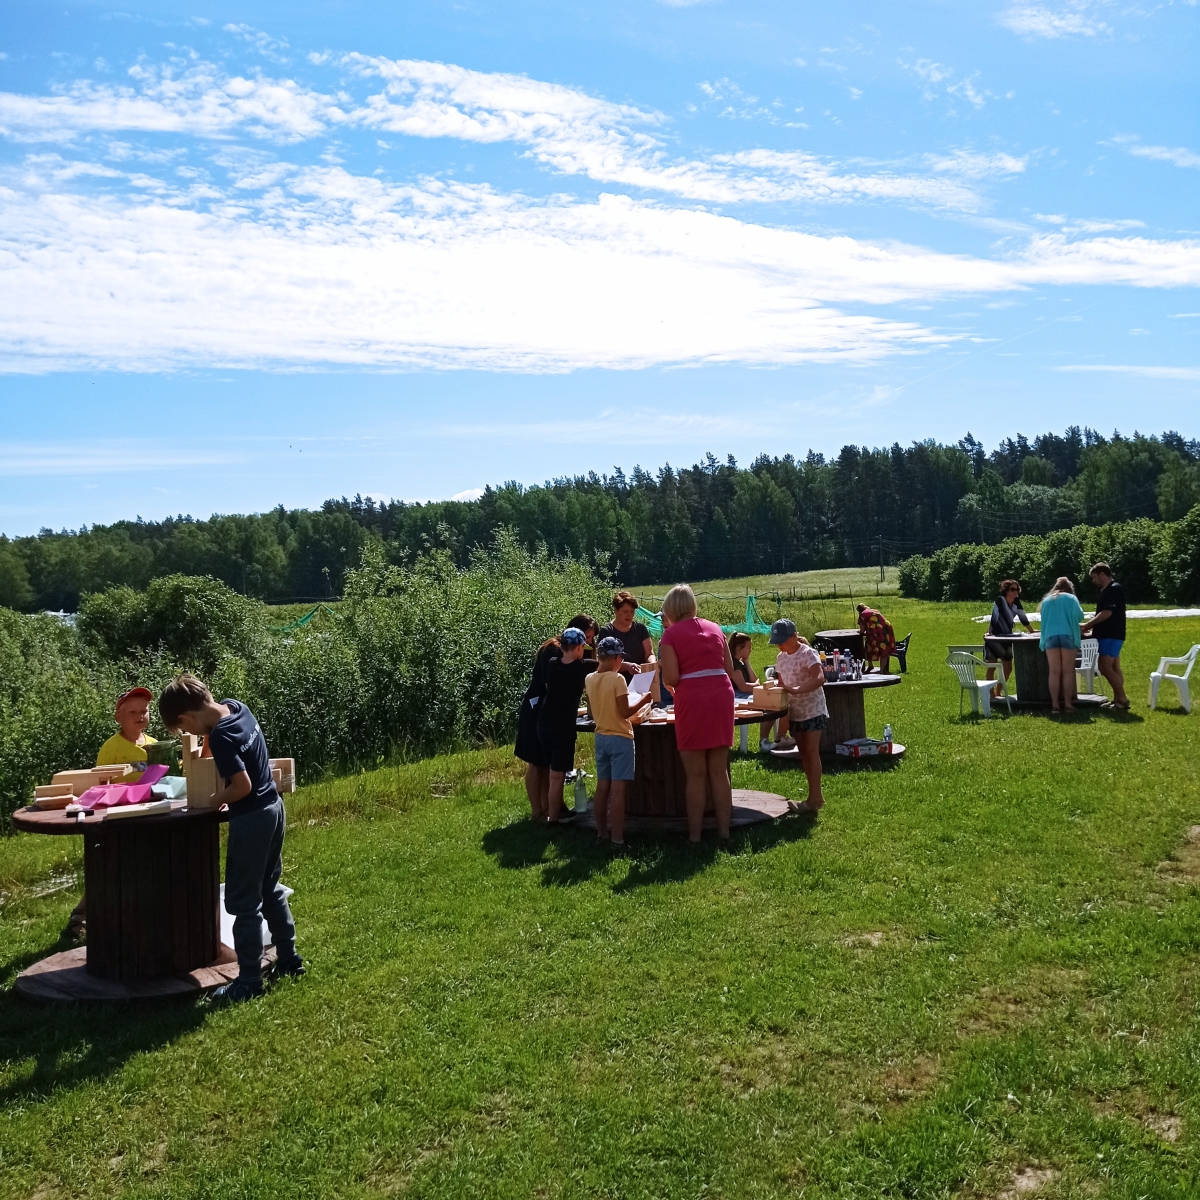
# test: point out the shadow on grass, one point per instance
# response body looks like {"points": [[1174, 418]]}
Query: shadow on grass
{"points": [[653, 858], [72, 1044]]}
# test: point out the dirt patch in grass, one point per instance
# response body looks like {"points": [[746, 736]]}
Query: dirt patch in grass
{"points": [[770, 1063], [1135, 1105], [1184, 865], [911, 1080], [1001, 1009], [1026, 1181], [865, 941]]}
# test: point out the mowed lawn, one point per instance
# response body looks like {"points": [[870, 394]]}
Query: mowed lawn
{"points": [[974, 975]]}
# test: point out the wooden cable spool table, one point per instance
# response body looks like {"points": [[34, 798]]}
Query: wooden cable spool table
{"points": [[153, 907], [847, 712], [657, 798], [1032, 669]]}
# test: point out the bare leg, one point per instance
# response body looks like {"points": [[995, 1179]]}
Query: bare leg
{"points": [[1070, 689], [695, 766], [1008, 662], [1110, 668], [616, 820], [810, 757], [537, 785], [554, 809], [719, 788], [600, 807], [1055, 665], [991, 671]]}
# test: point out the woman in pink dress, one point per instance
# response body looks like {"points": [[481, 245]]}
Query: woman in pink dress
{"points": [[697, 667]]}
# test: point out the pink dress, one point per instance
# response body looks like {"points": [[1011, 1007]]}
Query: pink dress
{"points": [[704, 695]]}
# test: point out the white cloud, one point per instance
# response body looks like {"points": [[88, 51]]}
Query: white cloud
{"points": [[264, 43], [198, 100], [565, 129], [1184, 373], [468, 494], [330, 268], [970, 165], [1180, 156], [1039, 20], [113, 456]]}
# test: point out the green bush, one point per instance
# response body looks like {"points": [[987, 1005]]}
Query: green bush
{"points": [[1175, 565], [194, 620], [1132, 548], [914, 577]]}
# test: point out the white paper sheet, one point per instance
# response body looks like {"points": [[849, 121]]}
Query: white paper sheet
{"points": [[640, 684]]}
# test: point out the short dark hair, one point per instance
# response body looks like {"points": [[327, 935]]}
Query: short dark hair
{"points": [[620, 599], [1009, 585], [183, 694], [1101, 568]]}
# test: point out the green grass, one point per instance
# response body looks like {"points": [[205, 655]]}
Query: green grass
{"points": [[968, 966], [861, 583]]}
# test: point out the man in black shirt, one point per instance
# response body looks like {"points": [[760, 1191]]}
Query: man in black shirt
{"points": [[1109, 622]]}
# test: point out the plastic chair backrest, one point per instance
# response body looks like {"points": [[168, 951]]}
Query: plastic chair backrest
{"points": [[966, 667], [1089, 653], [1191, 661]]}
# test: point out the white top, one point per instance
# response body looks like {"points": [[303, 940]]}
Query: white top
{"points": [[791, 669]]}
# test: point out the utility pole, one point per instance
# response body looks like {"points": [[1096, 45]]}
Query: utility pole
{"points": [[881, 557]]}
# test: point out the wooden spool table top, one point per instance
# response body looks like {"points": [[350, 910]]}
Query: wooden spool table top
{"points": [[867, 681], [56, 821]]}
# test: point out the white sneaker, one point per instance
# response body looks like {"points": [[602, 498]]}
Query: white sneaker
{"points": [[785, 743], [766, 745]]}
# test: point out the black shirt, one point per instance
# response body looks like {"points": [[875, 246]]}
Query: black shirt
{"points": [[633, 639], [1005, 616], [237, 744], [564, 687], [743, 665], [537, 685], [1111, 599]]}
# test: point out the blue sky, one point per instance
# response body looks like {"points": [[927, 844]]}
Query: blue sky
{"points": [[255, 254]]}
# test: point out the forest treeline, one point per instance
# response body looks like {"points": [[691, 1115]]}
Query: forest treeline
{"points": [[706, 521]]}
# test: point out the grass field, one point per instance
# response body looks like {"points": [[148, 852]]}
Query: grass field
{"points": [[973, 976], [857, 583]]}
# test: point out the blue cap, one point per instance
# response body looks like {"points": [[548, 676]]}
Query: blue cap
{"points": [[611, 647], [781, 631], [573, 637]]}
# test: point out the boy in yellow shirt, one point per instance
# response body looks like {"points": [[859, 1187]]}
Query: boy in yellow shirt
{"points": [[133, 716], [608, 698], [127, 746]]}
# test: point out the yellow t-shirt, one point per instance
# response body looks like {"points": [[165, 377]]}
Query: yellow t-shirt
{"points": [[118, 749], [603, 688]]}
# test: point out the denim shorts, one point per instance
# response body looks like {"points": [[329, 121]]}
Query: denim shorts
{"points": [[1060, 641], [1110, 647], [614, 757], [810, 724]]}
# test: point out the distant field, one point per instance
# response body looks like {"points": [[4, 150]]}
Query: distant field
{"points": [[843, 581]]}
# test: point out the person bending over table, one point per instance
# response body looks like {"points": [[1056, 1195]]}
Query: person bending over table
{"points": [[528, 749], [564, 675], [1110, 621], [697, 667], [879, 638], [1006, 612], [798, 669], [1060, 638]]}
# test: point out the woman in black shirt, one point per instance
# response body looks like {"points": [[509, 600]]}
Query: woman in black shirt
{"points": [[528, 748], [563, 674]]}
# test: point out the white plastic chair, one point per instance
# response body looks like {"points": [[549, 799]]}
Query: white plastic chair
{"points": [[967, 668], [1180, 681], [1088, 666]]}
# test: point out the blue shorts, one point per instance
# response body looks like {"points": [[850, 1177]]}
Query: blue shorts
{"points": [[614, 757], [1110, 647], [1060, 641]]}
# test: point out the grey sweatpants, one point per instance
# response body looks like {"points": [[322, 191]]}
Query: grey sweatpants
{"points": [[253, 864]]}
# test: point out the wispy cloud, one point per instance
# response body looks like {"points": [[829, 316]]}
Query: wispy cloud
{"points": [[1184, 373], [1179, 156], [1073, 19], [563, 128], [106, 457]]}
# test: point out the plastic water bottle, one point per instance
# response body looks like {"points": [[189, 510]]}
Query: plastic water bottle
{"points": [[581, 796], [887, 734]]}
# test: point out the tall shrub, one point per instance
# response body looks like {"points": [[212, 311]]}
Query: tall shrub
{"points": [[1175, 565]]}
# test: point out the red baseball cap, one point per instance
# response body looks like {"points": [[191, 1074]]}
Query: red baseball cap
{"points": [[138, 693]]}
